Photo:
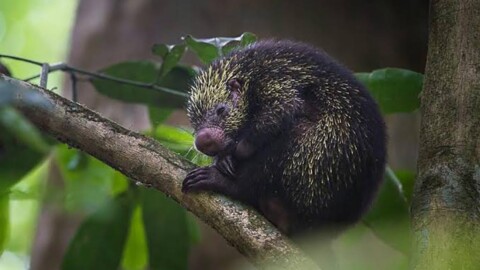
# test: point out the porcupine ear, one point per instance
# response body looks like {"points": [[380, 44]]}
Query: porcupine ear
{"points": [[234, 85]]}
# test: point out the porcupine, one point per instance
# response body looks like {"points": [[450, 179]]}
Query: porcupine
{"points": [[292, 133]]}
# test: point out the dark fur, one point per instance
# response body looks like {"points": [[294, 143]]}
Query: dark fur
{"points": [[321, 88]]}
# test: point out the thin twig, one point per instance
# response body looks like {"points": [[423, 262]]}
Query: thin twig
{"points": [[66, 68], [44, 75], [21, 59], [124, 81]]}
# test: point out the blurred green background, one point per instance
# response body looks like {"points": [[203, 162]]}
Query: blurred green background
{"points": [[38, 30]]}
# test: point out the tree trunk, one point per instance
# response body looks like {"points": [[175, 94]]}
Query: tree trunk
{"points": [[446, 203]]}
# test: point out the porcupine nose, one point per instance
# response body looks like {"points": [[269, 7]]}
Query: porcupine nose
{"points": [[208, 141]]}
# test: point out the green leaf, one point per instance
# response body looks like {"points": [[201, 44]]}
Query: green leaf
{"points": [[140, 71], [119, 183], [19, 127], [4, 220], [407, 178], [86, 186], [135, 253], [203, 48], [174, 138], [389, 216], [180, 141], [178, 79], [209, 49], [78, 161], [161, 50], [244, 40], [30, 186], [247, 38], [100, 240], [171, 55], [16, 159], [170, 134], [167, 231], [158, 114], [396, 90]]}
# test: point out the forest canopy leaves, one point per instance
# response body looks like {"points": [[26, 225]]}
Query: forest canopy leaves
{"points": [[396, 90]]}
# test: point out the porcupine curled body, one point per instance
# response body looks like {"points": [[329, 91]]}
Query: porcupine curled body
{"points": [[293, 133]]}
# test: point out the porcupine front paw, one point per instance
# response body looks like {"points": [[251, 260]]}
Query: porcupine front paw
{"points": [[209, 179], [203, 178], [196, 179]]}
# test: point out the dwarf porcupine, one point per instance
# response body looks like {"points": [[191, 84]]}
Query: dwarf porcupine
{"points": [[292, 133]]}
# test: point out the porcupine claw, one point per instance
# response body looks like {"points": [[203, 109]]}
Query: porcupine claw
{"points": [[226, 166], [204, 178]]}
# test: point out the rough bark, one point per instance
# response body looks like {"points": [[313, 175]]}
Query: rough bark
{"points": [[446, 203], [145, 161]]}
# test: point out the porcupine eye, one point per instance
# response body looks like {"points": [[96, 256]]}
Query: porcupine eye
{"points": [[221, 110], [234, 86]]}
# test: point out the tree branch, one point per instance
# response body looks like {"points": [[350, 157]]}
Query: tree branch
{"points": [[49, 68], [145, 161], [446, 199]]}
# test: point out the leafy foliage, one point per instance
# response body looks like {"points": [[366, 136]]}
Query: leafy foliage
{"points": [[135, 254], [164, 226], [181, 142], [145, 72], [389, 216], [167, 232], [4, 220], [99, 242], [88, 182], [209, 49], [170, 54], [396, 90], [160, 80], [21, 147], [158, 114]]}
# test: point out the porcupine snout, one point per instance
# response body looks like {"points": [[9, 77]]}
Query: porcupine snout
{"points": [[210, 141]]}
